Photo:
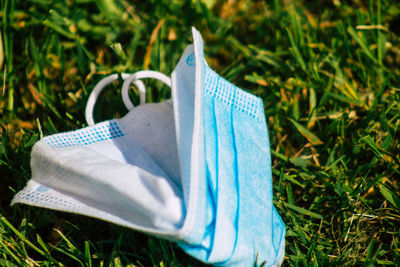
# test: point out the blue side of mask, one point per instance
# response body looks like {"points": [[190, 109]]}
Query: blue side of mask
{"points": [[241, 223]]}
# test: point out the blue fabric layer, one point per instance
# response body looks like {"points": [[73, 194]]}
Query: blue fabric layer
{"points": [[241, 223]]}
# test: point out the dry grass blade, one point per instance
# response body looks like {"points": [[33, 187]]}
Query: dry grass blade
{"points": [[150, 46], [312, 138]]}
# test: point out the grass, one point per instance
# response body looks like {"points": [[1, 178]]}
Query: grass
{"points": [[328, 72]]}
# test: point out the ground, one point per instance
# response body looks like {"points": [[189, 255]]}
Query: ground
{"points": [[327, 71]]}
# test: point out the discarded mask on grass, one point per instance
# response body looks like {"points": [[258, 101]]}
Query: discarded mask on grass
{"points": [[195, 169]]}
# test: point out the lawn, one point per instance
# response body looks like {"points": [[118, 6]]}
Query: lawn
{"points": [[327, 71]]}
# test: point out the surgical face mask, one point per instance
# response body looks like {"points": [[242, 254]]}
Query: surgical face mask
{"points": [[194, 169]]}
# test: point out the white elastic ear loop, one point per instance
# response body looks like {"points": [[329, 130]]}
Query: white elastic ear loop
{"points": [[101, 85], [141, 75]]}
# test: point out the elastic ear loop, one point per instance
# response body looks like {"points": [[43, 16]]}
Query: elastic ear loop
{"points": [[125, 96], [142, 75], [128, 79]]}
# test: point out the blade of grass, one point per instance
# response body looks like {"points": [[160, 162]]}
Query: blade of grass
{"points": [[20, 236], [146, 61], [288, 177], [303, 211], [362, 44], [296, 53], [8, 10], [312, 138], [1, 55], [69, 255], [375, 149], [390, 196], [7, 263], [9, 252], [312, 109], [345, 99], [88, 256]]}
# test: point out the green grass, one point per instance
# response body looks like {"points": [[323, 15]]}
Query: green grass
{"points": [[328, 72]]}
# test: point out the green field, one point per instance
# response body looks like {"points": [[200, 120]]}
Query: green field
{"points": [[329, 75]]}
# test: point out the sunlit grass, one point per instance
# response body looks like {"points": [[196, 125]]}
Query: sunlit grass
{"points": [[328, 73]]}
